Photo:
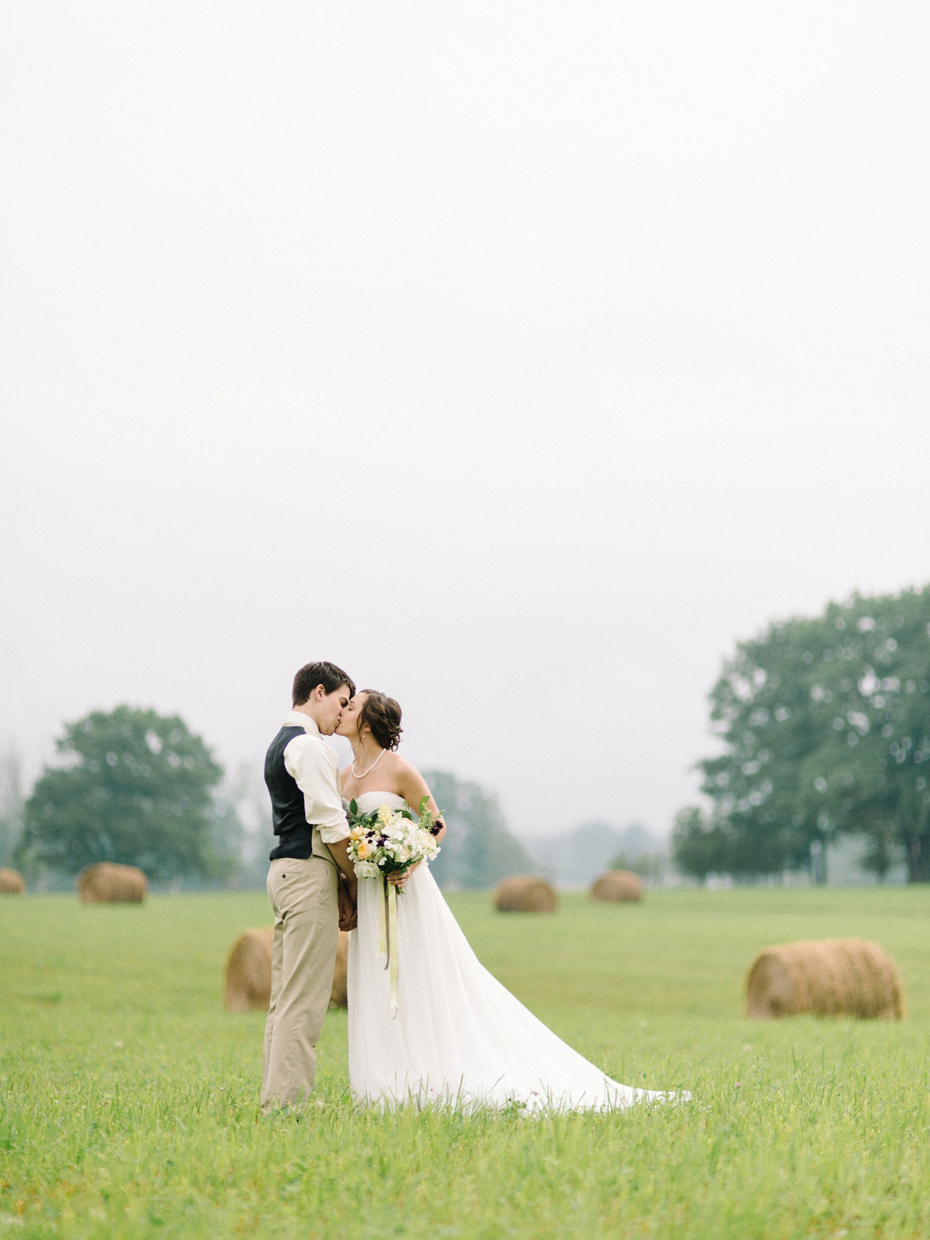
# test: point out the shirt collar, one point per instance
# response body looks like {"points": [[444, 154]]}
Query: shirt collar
{"points": [[297, 719]]}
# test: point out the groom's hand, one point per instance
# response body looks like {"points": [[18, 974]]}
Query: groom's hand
{"points": [[348, 912]]}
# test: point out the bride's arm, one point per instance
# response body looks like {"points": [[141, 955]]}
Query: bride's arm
{"points": [[413, 789]]}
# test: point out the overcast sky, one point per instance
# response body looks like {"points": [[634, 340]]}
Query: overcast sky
{"points": [[518, 357]]}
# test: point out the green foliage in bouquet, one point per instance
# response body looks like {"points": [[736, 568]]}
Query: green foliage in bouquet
{"points": [[381, 843]]}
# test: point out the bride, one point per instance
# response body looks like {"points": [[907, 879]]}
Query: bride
{"points": [[458, 1036]]}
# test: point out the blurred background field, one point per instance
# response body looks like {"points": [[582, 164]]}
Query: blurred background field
{"points": [[129, 1097]]}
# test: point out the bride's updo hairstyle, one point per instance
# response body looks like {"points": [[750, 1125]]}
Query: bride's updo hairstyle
{"points": [[382, 714]]}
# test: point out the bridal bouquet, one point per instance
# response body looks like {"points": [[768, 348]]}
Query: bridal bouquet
{"points": [[387, 841]]}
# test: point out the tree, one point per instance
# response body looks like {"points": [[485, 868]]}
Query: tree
{"points": [[870, 700], [11, 802], [698, 849], [826, 728], [247, 797], [227, 832], [650, 867], [478, 849], [129, 786]]}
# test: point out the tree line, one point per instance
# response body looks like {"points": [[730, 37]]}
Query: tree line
{"points": [[140, 788], [824, 727]]}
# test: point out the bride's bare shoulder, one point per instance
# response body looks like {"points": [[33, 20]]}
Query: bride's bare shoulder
{"points": [[402, 766]]}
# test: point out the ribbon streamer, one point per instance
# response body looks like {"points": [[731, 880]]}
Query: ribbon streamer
{"points": [[382, 927], [387, 940], [393, 952]]}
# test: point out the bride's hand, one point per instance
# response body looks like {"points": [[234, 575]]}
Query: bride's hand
{"points": [[398, 880]]}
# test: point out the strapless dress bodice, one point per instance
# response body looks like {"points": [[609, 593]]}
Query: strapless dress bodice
{"points": [[374, 800]]}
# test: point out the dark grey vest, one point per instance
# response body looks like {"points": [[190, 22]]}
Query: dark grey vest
{"points": [[288, 813]]}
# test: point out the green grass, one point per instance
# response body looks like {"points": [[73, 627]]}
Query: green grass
{"points": [[129, 1097]]}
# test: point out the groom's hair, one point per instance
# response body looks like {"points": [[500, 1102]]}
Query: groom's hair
{"points": [[326, 674]]}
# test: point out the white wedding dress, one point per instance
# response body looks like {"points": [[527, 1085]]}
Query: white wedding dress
{"points": [[458, 1036]]}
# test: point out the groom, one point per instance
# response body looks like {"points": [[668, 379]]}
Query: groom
{"points": [[311, 899]]}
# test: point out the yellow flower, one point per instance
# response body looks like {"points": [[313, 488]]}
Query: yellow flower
{"points": [[356, 833], [364, 851], [384, 815]]}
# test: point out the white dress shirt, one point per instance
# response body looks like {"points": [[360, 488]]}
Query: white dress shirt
{"points": [[315, 767]]}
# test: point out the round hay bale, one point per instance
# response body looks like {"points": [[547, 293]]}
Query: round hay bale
{"points": [[617, 887], [248, 972], [108, 883], [833, 977], [11, 882], [525, 894]]}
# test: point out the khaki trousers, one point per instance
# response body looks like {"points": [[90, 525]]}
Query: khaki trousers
{"points": [[304, 896]]}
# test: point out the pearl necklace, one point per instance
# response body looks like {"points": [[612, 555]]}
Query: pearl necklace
{"points": [[370, 769]]}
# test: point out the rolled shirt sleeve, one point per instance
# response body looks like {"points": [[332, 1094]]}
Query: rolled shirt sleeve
{"points": [[315, 767]]}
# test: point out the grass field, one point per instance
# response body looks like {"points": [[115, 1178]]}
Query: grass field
{"points": [[129, 1097]]}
